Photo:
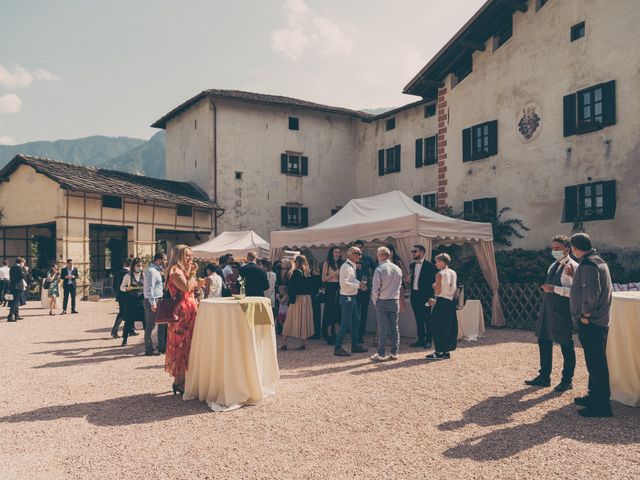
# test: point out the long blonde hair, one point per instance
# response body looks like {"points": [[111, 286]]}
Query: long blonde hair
{"points": [[300, 263], [177, 258]]}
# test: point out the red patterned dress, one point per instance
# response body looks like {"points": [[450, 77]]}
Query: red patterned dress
{"points": [[179, 334]]}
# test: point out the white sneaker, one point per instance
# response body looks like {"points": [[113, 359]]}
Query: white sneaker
{"points": [[378, 358], [392, 357]]}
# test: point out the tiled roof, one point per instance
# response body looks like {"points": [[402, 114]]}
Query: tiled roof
{"points": [[111, 182], [261, 99]]}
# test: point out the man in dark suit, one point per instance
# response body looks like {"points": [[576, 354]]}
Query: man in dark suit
{"points": [[120, 297], [255, 277], [69, 275], [423, 276], [17, 279]]}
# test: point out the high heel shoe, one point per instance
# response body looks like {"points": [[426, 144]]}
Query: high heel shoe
{"points": [[177, 390]]}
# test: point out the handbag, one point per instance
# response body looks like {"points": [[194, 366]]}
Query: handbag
{"points": [[168, 310], [46, 284]]}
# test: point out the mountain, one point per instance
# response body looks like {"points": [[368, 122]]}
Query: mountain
{"points": [[146, 159], [132, 155]]}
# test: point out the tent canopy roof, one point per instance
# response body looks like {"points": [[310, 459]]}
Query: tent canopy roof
{"points": [[392, 214], [237, 243]]}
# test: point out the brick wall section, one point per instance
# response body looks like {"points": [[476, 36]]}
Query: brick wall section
{"points": [[442, 148]]}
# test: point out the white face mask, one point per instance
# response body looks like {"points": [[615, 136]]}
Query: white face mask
{"points": [[138, 269], [557, 254]]}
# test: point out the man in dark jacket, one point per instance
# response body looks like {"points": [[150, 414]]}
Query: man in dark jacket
{"points": [[69, 275], [423, 276], [17, 279], [120, 297], [255, 277], [590, 307]]}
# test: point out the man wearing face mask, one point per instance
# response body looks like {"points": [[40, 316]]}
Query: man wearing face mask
{"points": [[554, 320]]}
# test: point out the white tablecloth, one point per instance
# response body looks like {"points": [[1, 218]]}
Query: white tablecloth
{"points": [[623, 348], [232, 362], [471, 321]]}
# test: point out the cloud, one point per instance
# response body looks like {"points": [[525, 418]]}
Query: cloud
{"points": [[10, 103], [306, 31], [20, 77], [7, 141]]}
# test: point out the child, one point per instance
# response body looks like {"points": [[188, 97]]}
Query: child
{"points": [[283, 297]]}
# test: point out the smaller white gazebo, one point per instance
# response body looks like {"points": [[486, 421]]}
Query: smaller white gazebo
{"points": [[236, 243]]}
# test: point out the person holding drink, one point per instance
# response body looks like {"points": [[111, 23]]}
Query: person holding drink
{"points": [[132, 287], [364, 272]]}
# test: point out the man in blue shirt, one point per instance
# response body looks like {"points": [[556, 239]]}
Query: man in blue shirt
{"points": [[153, 291]]}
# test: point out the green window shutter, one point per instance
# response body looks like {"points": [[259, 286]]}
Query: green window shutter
{"points": [[492, 207], [466, 145], [284, 163], [284, 216], [397, 158], [304, 214], [436, 147], [569, 107], [468, 209], [419, 151], [570, 204], [305, 166], [493, 138], [380, 163], [417, 198], [609, 103], [609, 200]]}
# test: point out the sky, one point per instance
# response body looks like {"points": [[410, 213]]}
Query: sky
{"points": [[74, 68]]}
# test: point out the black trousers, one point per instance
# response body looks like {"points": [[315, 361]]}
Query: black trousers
{"points": [[423, 316], [119, 316], [332, 312], [546, 359], [363, 302], [69, 290], [14, 305], [444, 325], [133, 312], [4, 288], [594, 342], [317, 317]]}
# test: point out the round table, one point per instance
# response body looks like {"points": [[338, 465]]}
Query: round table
{"points": [[623, 348], [233, 359], [471, 321]]}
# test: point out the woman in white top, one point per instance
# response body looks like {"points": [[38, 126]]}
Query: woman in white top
{"points": [[213, 282], [444, 322], [271, 277]]}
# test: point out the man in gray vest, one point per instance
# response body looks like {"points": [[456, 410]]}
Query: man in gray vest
{"points": [[590, 307]]}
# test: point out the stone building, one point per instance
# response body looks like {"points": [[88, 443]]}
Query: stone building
{"points": [[51, 211], [531, 106]]}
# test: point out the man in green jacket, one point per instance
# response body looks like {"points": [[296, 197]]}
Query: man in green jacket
{"points": [[590, 307]]}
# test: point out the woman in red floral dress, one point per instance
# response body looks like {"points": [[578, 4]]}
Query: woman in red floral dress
{"points": [[181, 278]]}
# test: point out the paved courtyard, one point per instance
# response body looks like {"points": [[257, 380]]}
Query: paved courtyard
{"points": [[73, 404]]}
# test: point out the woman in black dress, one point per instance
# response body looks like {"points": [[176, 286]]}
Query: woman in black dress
{"points": [[331, 278], [133, 304]]}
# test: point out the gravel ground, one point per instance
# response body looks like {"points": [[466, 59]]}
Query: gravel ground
{"points": [[73, 405]]}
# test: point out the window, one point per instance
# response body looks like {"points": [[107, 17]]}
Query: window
{"points": [[590, 201], [462, 70], [110, 201], [294, 123], [481, 209], [389, 160], [390, 124], [294, 216], [426, 151], [540, 4], [429, 110], [577, 31], [294, 164], [184, 210], [335, 210], [428, 200], [503, 35], [480, 141], [590, 109], [238, 175]]}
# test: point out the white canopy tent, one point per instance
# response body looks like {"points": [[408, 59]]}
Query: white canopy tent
{"points": [[237, 243], [394, 215]]}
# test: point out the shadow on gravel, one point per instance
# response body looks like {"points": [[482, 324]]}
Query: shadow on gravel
{"points": [[104, 354], [132, 410], [560, 423]]}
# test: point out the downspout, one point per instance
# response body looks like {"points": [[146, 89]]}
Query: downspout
{"points": [[213, 182]]}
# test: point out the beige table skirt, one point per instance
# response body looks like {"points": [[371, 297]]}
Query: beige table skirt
{"points": [[233, 359], [471, 321], [623, 348]]}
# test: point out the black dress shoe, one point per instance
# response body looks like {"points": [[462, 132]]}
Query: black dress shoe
{"points": [[115, 335], [314, 337], [134, 334], [539, 381], [359, 349], [436, 356], [151, 354], [341, 352], [74, 311], [427, 345], [11, 320], [582, 401], [563, 386], [64, 312], [595, 412], [417, 344]]}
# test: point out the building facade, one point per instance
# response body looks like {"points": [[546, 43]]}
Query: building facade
{"points": [[532, 106]]}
